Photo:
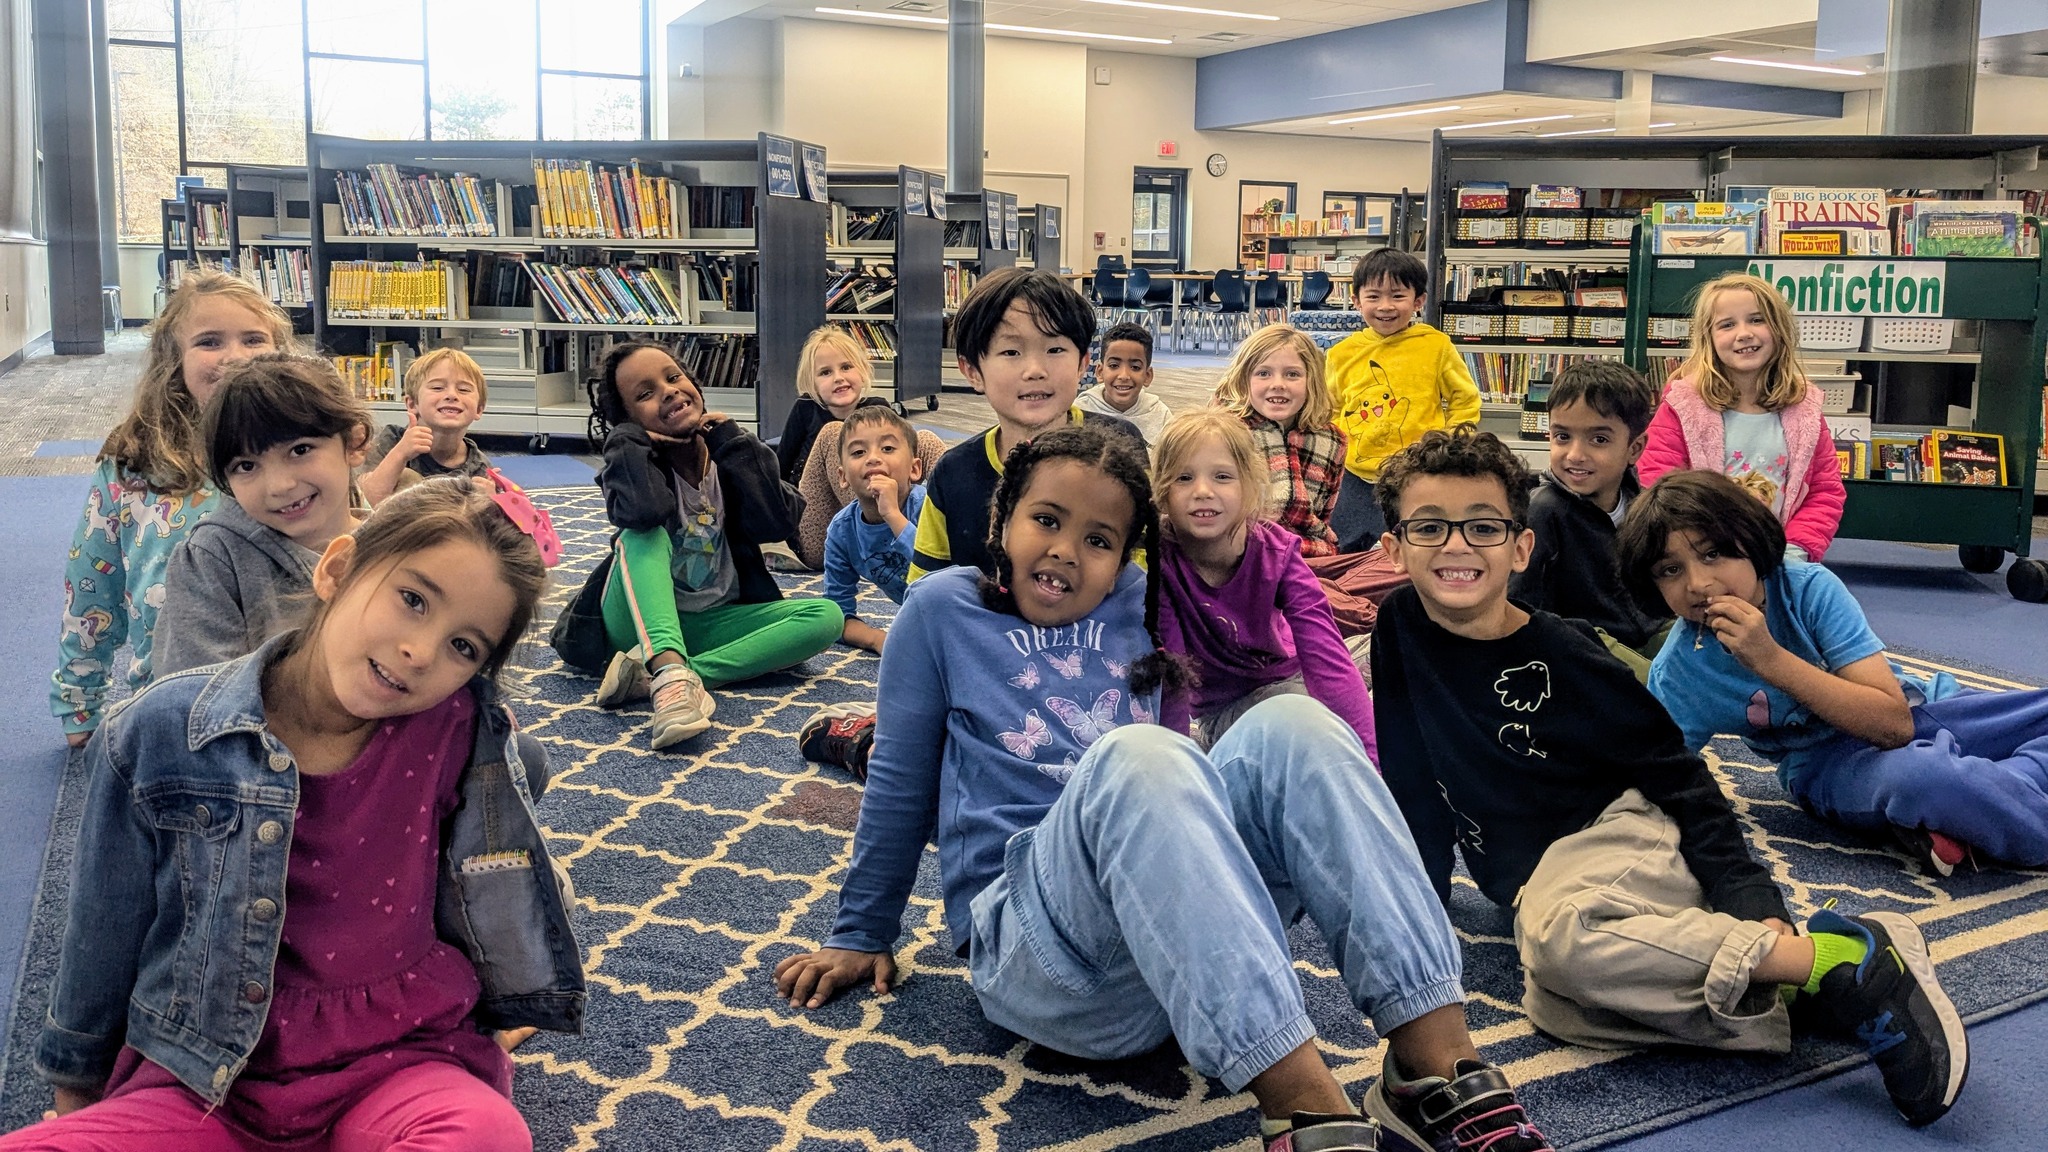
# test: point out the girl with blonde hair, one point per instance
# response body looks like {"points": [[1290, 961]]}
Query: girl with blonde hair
{"points": [[1276, 385]]}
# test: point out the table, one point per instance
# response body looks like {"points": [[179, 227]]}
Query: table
{"points": [[1292, 280]]}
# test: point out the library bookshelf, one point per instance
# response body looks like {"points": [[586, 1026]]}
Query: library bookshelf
{"points": [[1997, 301], [887, 278], [269, 225], [982, 236], [536, 256]]}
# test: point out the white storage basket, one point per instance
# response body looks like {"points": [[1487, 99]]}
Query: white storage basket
{"points": [[1837, 393], [1914, 335], [1830, 333]]}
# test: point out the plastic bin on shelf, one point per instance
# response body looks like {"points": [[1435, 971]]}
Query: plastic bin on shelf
{"points": [[1830, 333], [1911, 335]]}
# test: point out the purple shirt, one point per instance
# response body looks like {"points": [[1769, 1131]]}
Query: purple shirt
{"points": [[1269, 621], [364, 986]]}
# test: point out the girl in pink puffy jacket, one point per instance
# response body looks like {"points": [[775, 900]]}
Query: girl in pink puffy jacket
{"points": [[1740, 405]]}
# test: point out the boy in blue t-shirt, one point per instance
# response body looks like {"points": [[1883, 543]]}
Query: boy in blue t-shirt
{"points": [[872, 536]]}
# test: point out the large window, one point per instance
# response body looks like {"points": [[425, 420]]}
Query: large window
{"points": [[197, 84], [1158, 214]]}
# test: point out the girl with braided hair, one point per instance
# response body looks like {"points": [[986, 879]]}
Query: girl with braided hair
{"points": [[1109, 883]]}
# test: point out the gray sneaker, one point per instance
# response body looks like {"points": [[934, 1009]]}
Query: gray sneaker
{"points": [[625, 680], [682, 708]]}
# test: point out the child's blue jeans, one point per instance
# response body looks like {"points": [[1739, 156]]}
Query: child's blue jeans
{"points": [[1977, 770], [1153, 899]]}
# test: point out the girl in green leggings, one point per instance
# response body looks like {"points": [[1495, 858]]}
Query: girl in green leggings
{"points": [[684, 600]]}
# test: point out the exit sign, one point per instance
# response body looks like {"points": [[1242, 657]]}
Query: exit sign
{"points": [[1169, 148]]}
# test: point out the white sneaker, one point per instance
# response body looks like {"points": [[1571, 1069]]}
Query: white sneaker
{"points": [[682, 708], [625, 680]]}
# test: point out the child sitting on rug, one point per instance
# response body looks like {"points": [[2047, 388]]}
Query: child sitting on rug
{"points": [[1781, 655], [683, 602], [833, 379], [1235, 596], [1110, 884], [282, 434], [222, 984], [1123, 380], [1022, 339], [1640, 916], [1275, 385], [872, 537], [1599, 410], [150, 490], [444, 395]]}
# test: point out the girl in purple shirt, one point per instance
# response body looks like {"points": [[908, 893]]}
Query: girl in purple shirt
{"points": [[1236, 597]]}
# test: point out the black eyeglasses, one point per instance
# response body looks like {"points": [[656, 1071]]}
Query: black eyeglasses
{"points": [[1480, 532]]}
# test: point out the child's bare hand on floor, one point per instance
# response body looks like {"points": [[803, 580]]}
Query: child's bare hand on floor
{"points": [[809, 980]]}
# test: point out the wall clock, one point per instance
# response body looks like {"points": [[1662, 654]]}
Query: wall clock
{"points": [[1217, 164]]}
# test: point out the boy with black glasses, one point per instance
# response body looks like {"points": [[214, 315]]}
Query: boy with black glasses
{"points": [[1640, 916]]}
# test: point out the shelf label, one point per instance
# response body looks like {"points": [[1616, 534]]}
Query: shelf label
{"points": [[1010, 224], [992, 219], [1685, 263], [1049, 227], [782, 168], [814, 172], [935, 192], [913, 193], [1857, 287]]}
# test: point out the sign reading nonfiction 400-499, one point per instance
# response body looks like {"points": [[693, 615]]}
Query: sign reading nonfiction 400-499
{"points": [[1857, 287]]}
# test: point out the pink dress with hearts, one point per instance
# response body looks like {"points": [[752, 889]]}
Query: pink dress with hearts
{"points": [[363, 985]]}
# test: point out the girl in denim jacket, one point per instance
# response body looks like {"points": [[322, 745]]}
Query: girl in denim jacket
{"points": [[311, 880]]}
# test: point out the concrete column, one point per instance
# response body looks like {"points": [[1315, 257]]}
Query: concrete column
{"points": [[965, 74], [1930, 64], [1634, 112], [103, 147], [71, 185]]}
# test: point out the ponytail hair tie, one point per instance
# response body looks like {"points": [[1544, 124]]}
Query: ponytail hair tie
{"points": [[512, 500]]}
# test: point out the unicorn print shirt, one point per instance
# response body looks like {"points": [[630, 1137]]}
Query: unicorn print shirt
{"points": [[114, 585], [1812, 615], [982, 717]]}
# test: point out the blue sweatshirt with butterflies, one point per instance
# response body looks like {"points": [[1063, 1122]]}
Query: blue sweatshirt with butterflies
{"points": [[982, 717]]}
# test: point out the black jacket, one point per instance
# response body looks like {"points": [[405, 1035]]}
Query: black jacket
{"points": [[1503, 747], [1571, 571], [639, 493]]}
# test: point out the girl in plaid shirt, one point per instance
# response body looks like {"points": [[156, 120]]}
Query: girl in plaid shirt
{"points": [[1275, 384]]}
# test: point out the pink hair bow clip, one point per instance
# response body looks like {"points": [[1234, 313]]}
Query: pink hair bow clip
{"points": [[512, 500]]}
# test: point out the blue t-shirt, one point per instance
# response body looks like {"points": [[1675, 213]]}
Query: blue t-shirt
{"points": [[1811, 615], [855, 548], [981, 718]]}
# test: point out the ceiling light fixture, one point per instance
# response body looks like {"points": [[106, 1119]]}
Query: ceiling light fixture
{"points": [[908, 19], [1576, 132], [1505, 123], [1666, 124], [1786, 64], [1185, 8], [1393, 115]]}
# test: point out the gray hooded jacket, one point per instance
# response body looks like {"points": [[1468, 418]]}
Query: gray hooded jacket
{"points": [[229, 587]]}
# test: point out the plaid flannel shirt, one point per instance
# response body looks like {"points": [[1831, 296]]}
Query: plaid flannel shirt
{"points": [[1309, 463]]}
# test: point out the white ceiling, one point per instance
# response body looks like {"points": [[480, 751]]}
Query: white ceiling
{"points": [[1297, 18], [1584, 114]]}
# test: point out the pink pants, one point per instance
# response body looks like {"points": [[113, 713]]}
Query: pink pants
{"points": [[425, 1108]]}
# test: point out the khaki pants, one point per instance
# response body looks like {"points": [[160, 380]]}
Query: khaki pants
{"points": [[1638, 659], [1618, 949]]}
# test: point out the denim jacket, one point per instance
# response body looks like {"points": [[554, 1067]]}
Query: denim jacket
{"points": [[177, 897]]}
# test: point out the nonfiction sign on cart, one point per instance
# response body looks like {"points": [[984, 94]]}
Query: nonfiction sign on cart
{"points": [[1852, 287]]}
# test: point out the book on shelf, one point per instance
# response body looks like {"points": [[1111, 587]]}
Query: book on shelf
{"points": [[1858, 213], [1957, 457], [862, 225], [397, 290], [1553, 196], [1955, 233], [387, 200], [876, 337], [958, 283], [1704, 239], [583, 200], [855, 292], [283, 274], [626, 293], [728, 361], [1504, 377], [721, 209], [1483, 196], [376, 377], [209, 220]]}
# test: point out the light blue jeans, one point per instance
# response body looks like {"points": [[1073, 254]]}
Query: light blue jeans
{"points": [[1153, 899]]}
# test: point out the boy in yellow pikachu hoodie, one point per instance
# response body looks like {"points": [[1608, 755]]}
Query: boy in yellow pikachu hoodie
{"points": [[1393, 381]]}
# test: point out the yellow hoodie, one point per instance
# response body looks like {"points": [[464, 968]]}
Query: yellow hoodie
{"points": [[1421, 383]]}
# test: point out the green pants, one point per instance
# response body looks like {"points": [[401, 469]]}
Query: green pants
{"points": [[723, 645], [1637, 659]]}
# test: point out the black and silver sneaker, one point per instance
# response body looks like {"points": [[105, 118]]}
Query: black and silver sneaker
{"points": [[1474, 1111], [841, 735], [1317, 1132], [1895, 1006]]}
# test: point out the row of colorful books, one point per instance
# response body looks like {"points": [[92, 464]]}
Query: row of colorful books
{"points": [[613, 293], [283, 274], [209, 223], [386, 200], [720, 361], [1503, 377], [582, 200], [1802, 221], [1941, 456], [376, 376], [860, 290], [877, 337], [398, 290]]}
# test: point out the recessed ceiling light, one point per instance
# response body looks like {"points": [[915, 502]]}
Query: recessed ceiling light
{"points": [[1576, 132], [1393, 115], [1785, 64], [908, 19], [1185, 8], [1505, 123]]}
